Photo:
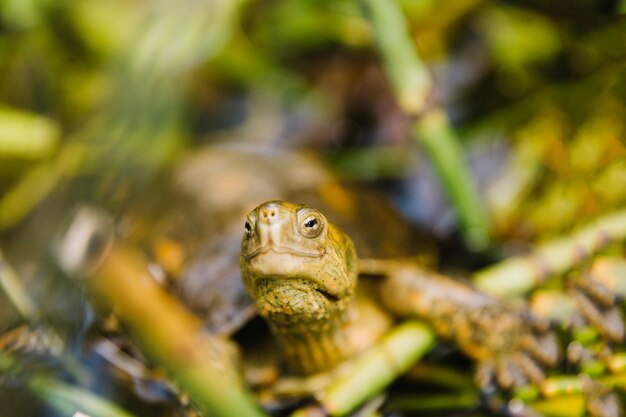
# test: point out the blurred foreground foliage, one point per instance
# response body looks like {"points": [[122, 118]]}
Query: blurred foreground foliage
{"points": [[114, 92]]}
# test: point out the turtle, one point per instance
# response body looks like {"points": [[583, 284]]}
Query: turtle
{"points": [[303, 274], [302, 271]]}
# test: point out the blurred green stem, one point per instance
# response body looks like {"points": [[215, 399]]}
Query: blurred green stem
{"points": [[407, 73], [442, 375], [565, 396], [440, 402], [169, 334], [516, 276], [439, 139], [413, 85], [375, 369], [166, 332], [64, 398]]}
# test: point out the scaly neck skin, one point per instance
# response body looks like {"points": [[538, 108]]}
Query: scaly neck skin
{"points": [[311, 328], [310, 348]]}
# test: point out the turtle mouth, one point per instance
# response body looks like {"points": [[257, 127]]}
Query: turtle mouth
{"points": [[312, 285], [330, 297], [284, 250], [284, 268]]}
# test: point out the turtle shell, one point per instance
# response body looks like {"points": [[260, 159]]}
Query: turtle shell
{"points": [[192, 223]]}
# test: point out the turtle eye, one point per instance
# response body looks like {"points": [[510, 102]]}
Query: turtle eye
{"points": [[248, 229], [311, 226]]}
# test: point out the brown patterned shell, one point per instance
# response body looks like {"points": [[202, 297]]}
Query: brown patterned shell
{"points": [[192, 222]]}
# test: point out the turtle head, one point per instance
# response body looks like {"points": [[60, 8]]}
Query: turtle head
{"points": [[299, 268]]}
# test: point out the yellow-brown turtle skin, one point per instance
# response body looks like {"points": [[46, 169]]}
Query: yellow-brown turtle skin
{"points": [[301, 271]]}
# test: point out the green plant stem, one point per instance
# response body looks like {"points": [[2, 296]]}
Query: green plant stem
{"points": [[516, 276], [170, 335], [465, 400], [407, 73], [443, 376], [563, 395], [376, 368], [564, 406], [440, 140], [412, 85]]}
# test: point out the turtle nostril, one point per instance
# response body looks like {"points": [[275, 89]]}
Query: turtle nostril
{"points": [[269, 214]]}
